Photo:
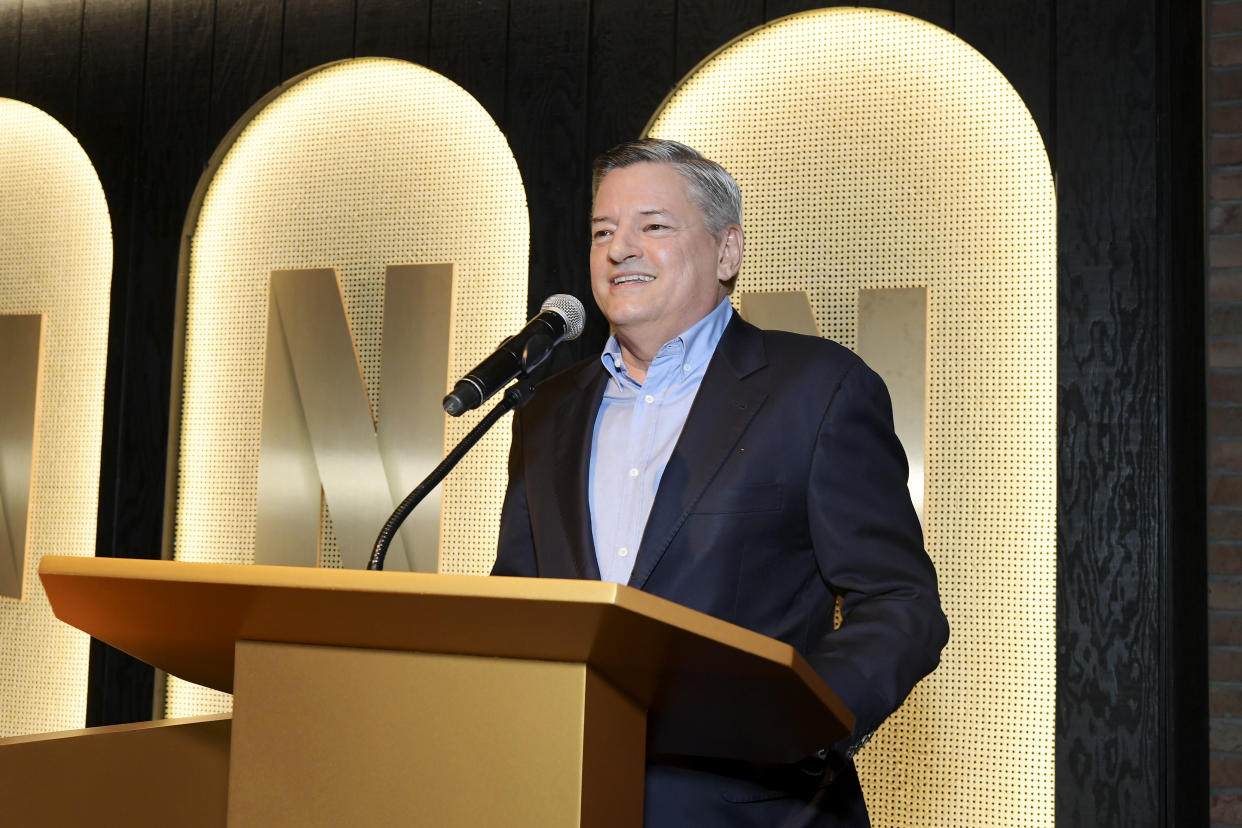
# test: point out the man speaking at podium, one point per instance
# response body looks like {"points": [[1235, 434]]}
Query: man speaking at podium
{"points": [[751, 475]]}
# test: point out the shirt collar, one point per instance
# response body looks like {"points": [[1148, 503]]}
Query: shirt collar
{"points": [[695, 345]]}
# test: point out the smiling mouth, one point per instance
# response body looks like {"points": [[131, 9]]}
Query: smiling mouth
{"points": [[632, 277]]}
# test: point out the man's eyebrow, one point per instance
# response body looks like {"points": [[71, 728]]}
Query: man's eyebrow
{"points": [[654, 211]]}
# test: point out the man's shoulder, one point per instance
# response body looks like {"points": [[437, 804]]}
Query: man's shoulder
{"points": [[553, 391], [577, 376], [787, 348], [814, 346]]}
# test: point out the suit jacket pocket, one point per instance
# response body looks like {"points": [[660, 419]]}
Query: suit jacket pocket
{"points": [[729, 500], [744, 794], [768, 782]]}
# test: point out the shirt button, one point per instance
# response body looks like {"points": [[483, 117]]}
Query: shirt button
{"points": [[649, 398], [686, 367], [623, 552], [633, 472]]}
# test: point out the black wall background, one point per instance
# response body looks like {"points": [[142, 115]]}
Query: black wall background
{"points": [[150, 88]]}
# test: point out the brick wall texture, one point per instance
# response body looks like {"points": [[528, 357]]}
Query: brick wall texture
{"points": [[1224, 349]]}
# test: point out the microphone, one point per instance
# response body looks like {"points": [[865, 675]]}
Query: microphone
{"points": [[562, 317]]}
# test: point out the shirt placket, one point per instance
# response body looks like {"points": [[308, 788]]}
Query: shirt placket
{"points": [[638, 460]]}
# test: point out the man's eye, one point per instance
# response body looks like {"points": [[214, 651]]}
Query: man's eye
{"points": [[601, 234], [657, 227]]}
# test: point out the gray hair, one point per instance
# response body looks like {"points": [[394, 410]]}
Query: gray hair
{"points": [[711, 187]]}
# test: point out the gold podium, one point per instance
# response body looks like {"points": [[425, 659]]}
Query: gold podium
{"points": [[388, 698]]}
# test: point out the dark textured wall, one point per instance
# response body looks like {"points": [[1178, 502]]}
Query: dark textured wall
{"points": [[1224, 366], [151, 87]]}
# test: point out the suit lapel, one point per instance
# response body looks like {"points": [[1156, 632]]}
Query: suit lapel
{"points": [[722, 409], [575, 422]]}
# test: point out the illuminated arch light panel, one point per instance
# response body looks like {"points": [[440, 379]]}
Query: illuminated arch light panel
{"points": [[878, 151], [360, 165], [55, 260]]}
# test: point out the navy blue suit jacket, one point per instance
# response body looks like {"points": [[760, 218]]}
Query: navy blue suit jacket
{"points": [[786, 488]]}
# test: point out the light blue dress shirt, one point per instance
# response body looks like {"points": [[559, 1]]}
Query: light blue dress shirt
{"points": [[637, 426]]}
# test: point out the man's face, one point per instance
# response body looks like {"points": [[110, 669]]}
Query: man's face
{"points": [[655, 269]]}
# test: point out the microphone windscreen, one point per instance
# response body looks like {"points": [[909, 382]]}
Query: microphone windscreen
{"points": [[570, 309]]}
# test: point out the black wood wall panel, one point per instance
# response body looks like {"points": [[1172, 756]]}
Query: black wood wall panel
{"points": [[245, 59], [546, 103], [315, 32], [940, 12], [702, 28], [10, 37], [469, 44], [393, 28], [109, 122], [1112, 413], [167, 160], [1184, 569], [632, 69], [48, 60], [1107, 83]]}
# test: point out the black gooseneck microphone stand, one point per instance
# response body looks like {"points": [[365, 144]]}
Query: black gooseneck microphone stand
{"points": [[515, 396]]}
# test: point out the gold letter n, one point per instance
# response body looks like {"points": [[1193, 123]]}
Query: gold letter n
{"points": [[20, 337], [322, 443]]}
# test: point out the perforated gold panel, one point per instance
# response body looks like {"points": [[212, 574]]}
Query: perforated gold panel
{"points": [[877, 151], [55, 260], [360, 165]]}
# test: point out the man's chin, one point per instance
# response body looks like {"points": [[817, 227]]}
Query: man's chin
{"points": [[623, 311]]}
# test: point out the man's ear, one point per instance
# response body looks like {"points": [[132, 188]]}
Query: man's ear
{"points": [[731, 244]]}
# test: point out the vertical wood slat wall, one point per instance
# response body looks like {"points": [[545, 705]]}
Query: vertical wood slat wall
{"points": [[151, 87], [1094, 406]]}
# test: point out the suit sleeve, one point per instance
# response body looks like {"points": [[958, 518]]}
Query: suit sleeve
{"points": [[515, 548], [869, 548]]}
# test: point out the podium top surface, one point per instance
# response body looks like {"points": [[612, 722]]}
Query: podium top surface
{"points": [[711, 687]]}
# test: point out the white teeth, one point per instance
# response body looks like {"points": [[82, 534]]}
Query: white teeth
{"points": [[632, 277]]}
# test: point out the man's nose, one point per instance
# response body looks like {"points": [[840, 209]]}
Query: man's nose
{"points": [[622, 246]]}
